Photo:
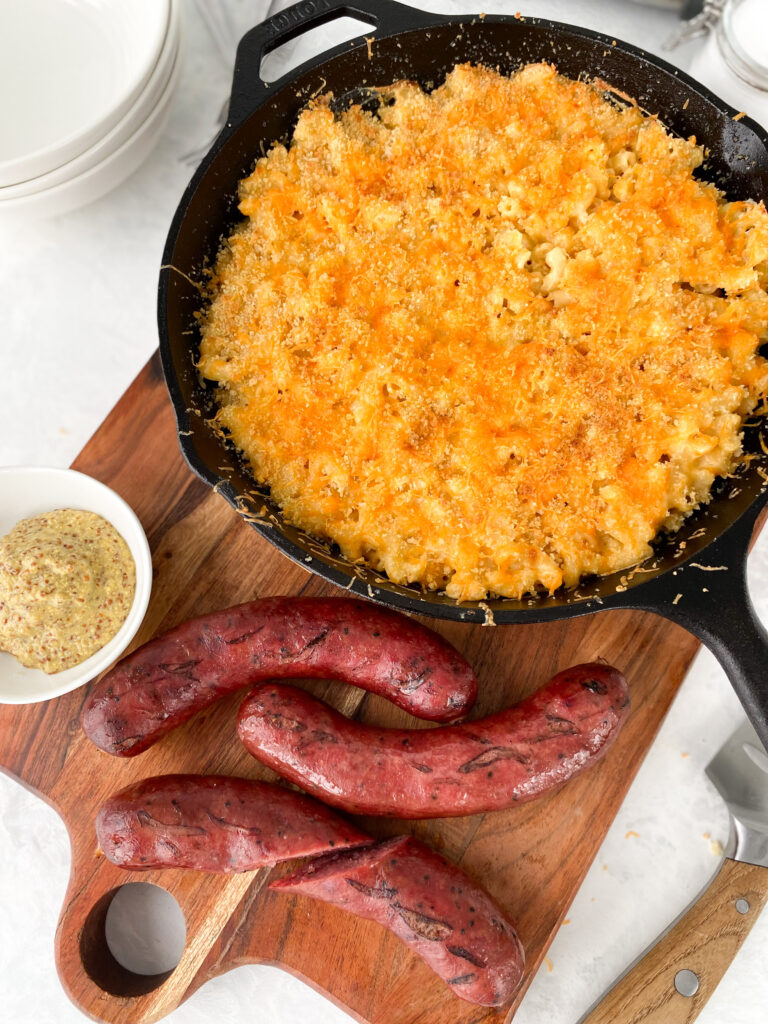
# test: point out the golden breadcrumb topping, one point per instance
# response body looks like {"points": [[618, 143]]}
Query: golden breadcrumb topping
{"points": [[491, 339]]}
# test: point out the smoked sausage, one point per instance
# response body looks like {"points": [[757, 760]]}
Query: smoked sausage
{"points": [[489, 764], [170, 678], [440, 913], [216, 823]]}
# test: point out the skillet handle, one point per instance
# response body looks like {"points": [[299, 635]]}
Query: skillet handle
{"points": [[248, 89], [710, 598]]}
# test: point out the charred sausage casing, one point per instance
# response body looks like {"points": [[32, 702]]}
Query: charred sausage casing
{"points": [[485, 765], [440, 913], [216, 823], [170, 678]]}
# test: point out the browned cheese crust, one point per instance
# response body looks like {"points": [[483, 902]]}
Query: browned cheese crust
{"points": [[493, 339]]}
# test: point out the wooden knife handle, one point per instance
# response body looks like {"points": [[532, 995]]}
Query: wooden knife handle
{"points": [[703, 941]]}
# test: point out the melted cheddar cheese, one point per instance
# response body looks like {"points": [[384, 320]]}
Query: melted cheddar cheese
{"points": [[494, 337]]}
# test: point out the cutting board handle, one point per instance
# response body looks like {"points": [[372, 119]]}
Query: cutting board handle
{"points": [[532, 859], [675, 978]]}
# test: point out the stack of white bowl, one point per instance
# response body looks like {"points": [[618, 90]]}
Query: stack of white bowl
{"points": [[87, 86]]}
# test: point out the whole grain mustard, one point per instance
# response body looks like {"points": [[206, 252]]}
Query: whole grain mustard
{"points": [[67, 581]]}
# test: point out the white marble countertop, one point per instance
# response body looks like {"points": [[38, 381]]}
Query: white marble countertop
{"points": [[79, 295]]}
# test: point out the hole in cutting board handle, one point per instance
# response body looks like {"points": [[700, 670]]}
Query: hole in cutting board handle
{"points": [[143, 926]]}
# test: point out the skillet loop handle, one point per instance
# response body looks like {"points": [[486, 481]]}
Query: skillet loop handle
{"points": [[249, 91], [710, 598]]}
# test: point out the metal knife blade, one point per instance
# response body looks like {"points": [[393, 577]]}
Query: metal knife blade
{"points": [[739, 771], [672, 979]]}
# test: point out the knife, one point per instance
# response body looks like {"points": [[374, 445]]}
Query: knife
{"points": [[672, 980]]}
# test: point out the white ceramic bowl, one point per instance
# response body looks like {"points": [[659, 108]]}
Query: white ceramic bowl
{"points": [[28, 490], [126, 127], [68, 72], [103, 176]]}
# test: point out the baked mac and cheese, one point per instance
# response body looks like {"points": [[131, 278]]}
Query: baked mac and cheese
{"points": [[491, 339]]}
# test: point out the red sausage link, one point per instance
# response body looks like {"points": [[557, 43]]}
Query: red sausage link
{"points": [[443, 916], [485, 765], [216, 823], [169, 679]]}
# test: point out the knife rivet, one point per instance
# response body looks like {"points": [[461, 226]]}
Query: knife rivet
{"points": [[742, 906], [686, 983]]}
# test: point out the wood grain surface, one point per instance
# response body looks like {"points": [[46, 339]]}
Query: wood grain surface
{"points": [[704, 941], [531, 859]]}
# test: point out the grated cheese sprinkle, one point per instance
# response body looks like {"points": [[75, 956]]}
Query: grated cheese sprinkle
{"points": [[491, 339]]}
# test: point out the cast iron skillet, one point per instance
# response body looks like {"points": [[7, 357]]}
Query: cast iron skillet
{"points": [[696, 578]]}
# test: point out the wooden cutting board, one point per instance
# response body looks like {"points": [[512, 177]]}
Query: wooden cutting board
{"points": [[531, 859]]}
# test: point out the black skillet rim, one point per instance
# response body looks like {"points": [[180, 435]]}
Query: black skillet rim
{"points": [[614, 590]]}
